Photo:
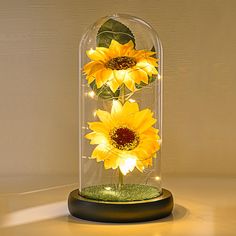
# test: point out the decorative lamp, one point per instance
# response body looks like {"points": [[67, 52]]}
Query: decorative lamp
{"points": [[120, 123]]}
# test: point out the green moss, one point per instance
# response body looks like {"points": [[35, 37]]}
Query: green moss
{"points": [[128, 192]]}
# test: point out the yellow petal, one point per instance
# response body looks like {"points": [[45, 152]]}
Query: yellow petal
{"points": [[89, 65], [148, 162], [150, 53], [96, 55], [104, 51], [150, 69], [113, 84], [143, 120], [130, 108], [139, 75], [127, 164], [151, 131], [99, 153], [140, 166], [126, 48], [90, 79], [129, 45], [96, 138], [147, 147], [115, 47], [102, 76], [130, 84], [104, 116], [119, 75], [99, 81], [116, 107], [141, 152], [98, 127], [95, 68], [152, 61], [111, 161]]}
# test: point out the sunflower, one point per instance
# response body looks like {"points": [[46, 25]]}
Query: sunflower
{"points": [[125, 138], [118, 64]]}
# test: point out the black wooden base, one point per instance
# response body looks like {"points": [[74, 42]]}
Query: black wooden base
{"points": [[120, 212]]}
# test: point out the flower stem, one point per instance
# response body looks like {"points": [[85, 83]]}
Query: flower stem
{"points": [[122, 94], [121, 179], [122, 99]]}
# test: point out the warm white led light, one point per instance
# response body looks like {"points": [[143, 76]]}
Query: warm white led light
{"points": [[108, 188], [157, 178], [132, 100], [91, 94]]}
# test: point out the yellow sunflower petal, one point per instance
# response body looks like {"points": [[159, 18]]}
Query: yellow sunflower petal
{"points": [[102, 50], [130, 83], [114, 85], [147, 162], [119, 75], [142, 152], [96, 138], [115, 47], [96, 55], [152, 61], [130, 108], [151, 132], [89, 65], [126, 48], [100, 153], [102, 76], [150, 53], [127, 164], [139, 75], [98, 127], [140, 166], [99, 81], [153, 146], [116, 107], [111, 161], [150, 69], [95, 68], [90, 79], [105, 117], [143, 120]]}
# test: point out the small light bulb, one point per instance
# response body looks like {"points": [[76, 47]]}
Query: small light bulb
{"points": [[91, 94], [127, 164], [157, 178], [132, 100], [108, 188]]}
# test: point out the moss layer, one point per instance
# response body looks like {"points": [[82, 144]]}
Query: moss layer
{"points": [[128, 192]]}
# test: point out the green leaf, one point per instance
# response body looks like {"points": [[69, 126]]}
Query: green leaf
{"points": [[113, 29], [104, 92]]}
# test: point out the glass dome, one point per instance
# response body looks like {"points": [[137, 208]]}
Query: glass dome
{"points": [[120, 110]]}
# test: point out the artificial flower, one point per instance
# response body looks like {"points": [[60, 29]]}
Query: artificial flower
{"points": [[125, 138], [120, 64]]}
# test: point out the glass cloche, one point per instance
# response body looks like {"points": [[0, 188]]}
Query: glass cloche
{"points": [[120, 123]]}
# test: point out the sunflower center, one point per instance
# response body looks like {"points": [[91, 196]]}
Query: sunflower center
{"points": [[121, 63], [124, 138]]}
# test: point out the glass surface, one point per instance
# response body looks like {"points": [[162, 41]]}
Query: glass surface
{"points": [[120, 107]]}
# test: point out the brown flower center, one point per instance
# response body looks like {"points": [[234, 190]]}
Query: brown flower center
{"points": [[124, 138], [121, 63]]}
